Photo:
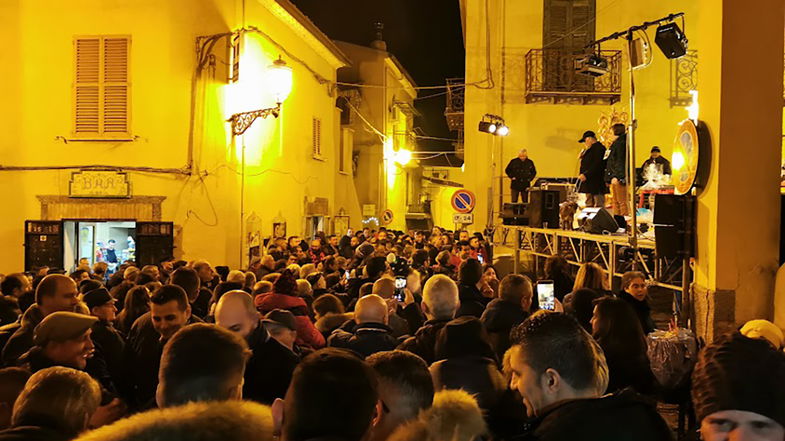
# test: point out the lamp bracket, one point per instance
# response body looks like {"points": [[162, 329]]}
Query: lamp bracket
{"points": [[241, 121]]}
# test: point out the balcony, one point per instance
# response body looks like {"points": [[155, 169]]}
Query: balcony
{"points": [[551, 78], [454, 109]]}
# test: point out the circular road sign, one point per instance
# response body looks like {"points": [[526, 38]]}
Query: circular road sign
{"points": [[387, 217], [463, 201]]}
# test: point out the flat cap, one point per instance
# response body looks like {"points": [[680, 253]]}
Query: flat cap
{"points": [[61, 326]]}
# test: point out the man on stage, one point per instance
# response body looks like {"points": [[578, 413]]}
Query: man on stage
{"points": [[616, 173], [659, 161], [592, 170], [521, 171]]}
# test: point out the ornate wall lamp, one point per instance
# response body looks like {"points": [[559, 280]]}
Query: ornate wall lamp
{"points": [[279, 80]]}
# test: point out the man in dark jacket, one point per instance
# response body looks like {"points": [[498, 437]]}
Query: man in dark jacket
{"points": [[439, 303], [472, 301], [521, 171], [659, 162], [56, 292], [109, 342], [169, 311], [270, 367], [371, 333], [561, 372], [616, 172], [592, 170], [510, 309]]}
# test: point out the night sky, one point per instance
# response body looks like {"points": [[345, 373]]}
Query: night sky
{"points": [[425, 36]]}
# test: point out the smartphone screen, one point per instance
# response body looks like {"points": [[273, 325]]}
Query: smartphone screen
{"points": [[479, 257], [545, 296], [400, 285]]}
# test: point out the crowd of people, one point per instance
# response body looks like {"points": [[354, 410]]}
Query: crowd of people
{"points": [[378, 335]]}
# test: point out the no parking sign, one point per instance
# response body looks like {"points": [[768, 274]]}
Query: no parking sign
{"points": [[387, 217], [463, 201]]}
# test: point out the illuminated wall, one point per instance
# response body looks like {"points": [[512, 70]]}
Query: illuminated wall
{"points": [[550, 131], [281, 172]]}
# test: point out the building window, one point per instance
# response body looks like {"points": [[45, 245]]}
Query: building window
{"points": [[317, 138], [342, 152], [102, 87], [568, 25], [684, 78]]}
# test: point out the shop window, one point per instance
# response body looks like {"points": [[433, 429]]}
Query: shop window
{"points": [[102, 87]]}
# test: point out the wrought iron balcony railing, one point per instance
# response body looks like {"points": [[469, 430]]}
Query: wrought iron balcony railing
{"points": [[551, 77], [454, 109]]}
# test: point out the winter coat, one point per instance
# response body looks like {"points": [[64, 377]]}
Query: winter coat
{"points": [[365, 339], [661, 163], [521, 172], [330, 322], [22, 339], [111, 344], [499, 318], [642, 310], [143, 358], [593, 167], [34, 433], [423, 343], [627, 369], [269, 369], [472, 301], [622, 416], [306, 332], [616, 165]]}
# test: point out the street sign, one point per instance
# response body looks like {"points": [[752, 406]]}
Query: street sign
{"points": [[387, 217], [463, 201], [463, 218]]}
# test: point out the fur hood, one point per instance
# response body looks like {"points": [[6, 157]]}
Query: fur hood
{"points": [[455, 416]]}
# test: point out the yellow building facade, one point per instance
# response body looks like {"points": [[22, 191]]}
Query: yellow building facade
{"points": [[377, 98], [168, 132]]}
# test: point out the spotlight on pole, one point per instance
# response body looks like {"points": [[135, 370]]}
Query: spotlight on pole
{"points": [[487, 127], [671, 40], [592, 64], [494, 125]]}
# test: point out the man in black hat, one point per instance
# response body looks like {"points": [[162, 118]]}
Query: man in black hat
{"points": [[109, 342], [592, 170], [659, 161], [282, 326], [521, 171], [738, 385]]}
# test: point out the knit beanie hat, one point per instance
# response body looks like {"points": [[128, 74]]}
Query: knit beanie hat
{"points": [[286, 283], [740, 373]]}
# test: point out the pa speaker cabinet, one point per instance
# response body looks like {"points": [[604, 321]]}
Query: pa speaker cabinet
{"points": [[543, 208], [674, 225]]}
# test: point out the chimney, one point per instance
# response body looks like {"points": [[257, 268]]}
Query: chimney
{"points": [[379, 43]]}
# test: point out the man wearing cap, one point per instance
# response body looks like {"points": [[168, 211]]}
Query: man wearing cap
{"points": [[108, 340], [592, 170], [738, 389], [282, 326], [662, 164], [56, 292], [61, 339], [521, 171]]}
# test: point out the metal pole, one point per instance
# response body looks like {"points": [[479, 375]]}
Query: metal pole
{"points": [[631, 178], [242, 203]]}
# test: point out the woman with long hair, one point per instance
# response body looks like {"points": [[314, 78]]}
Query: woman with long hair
{"points": [[590, 284], [618, 331], [558, 269], [137, 303]]}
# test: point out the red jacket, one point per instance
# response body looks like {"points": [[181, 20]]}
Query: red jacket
{"points": [[307, 334]]}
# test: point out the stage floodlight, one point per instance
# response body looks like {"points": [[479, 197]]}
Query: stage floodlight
{"points": [[487, 127], [502, 131], [593, 65], [671, 40]]}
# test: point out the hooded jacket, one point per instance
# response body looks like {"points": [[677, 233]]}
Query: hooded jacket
{"points": [[269, 369], [22, 339], [307, 334], [499, 318], [423, 343], [623, 416], [365, 339]]}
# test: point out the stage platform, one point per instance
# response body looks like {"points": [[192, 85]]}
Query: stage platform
{"points": [[612, 252]]}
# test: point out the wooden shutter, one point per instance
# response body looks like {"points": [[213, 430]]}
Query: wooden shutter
{"points": [[568, 24], [102, 87], [115, 99], [87, 90], [317, 137], [154, 242], [43, 244]]}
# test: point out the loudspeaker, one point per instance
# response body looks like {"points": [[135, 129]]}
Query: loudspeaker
{"points": [[514, 214], [674, 230], [543, 208], [597, 221]]}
